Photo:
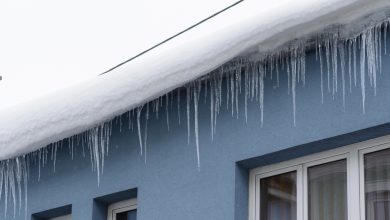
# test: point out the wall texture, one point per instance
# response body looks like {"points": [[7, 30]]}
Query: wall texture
{"points": [[170, 186]]}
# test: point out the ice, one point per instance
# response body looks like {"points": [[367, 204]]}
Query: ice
{"points": [[139, 110], [333, 45], [212, 104], [166, 109], [178, 104], [146, 130], [349, 43], [13, 174], [327, 52], [354, 43], [188, 89], [362, 68], [196, 91], [321, 72], [294, 56], [261, 90], [341, 47]]}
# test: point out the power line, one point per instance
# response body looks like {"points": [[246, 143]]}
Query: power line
{"points": [[170, 38]]}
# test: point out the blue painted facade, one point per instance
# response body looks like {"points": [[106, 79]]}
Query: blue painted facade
{"points": [[170, 186]]}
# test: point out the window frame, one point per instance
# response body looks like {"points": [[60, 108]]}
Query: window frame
{"points": [[122, 206], [354, 155]]}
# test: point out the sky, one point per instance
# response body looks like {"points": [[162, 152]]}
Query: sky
{"points": [[46, 45]]}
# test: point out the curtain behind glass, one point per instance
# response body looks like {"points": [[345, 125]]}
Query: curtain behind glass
{"points": [[129, 215], [377, 185], [278, 197], [327, 191]]}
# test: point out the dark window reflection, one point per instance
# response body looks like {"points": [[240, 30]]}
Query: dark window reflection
{"points": [[377, 185], [130, 215], [278, 197], [327, 191]]}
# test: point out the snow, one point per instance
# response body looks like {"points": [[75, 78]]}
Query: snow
{"points": [[250, 26]]}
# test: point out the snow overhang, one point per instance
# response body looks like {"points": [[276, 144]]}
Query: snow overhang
{"points": [[250, 28]]}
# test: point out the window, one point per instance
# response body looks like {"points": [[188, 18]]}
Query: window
{"points": [[348, 183], [65, 217], [124, 210]]}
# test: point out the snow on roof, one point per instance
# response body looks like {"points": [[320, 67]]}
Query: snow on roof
{"points": [[250, 27]]}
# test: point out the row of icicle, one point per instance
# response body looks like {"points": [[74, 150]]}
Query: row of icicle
{"points": [[356, 59]]}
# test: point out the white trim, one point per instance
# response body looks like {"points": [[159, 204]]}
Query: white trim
{"points": [[353, 153], [122, 206]]}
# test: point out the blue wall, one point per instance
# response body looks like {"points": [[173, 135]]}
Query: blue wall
{"points": [[169, 185]]}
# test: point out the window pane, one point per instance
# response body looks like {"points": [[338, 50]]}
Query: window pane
{"points": [[327, 191], [278, 197], [377, 185], [130, 215], [65, 217]]}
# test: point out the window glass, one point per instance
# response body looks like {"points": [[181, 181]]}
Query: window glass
{"points": [[129, 215], [65, 217], [377, 185], [327, 191], [278, 197]]}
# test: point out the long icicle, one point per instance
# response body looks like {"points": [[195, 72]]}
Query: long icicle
{"points": [[196, 91]]}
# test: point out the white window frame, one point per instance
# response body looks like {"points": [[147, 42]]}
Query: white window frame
{"points": [[122, 206], [354, 155]]}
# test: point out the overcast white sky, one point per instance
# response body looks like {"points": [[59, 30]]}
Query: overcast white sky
{"points": [[49, 44]]}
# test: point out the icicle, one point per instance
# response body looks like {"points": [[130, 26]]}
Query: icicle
{"points": [[252, 82], [354, 43], [238, 88], [7, 173], [302, 63], [95, 150], [232, 91], [196, 91], [261, 91], [206, 89], [166, 109], [1, 177], [350, 65], [178, 105], [277, 72], [385, 36], [362, 69], [146, 130], [334, 64], [342, 61], [25, 177], [212, 104], [55, 156], [246, 86], [293, 79], [327, 52], [227, 89], [139, 110], [379, 49], [321, 72], [288, 76], [188, 112], [18, 178]]}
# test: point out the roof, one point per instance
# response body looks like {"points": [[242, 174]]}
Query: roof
{"points": [[250, 27]]}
